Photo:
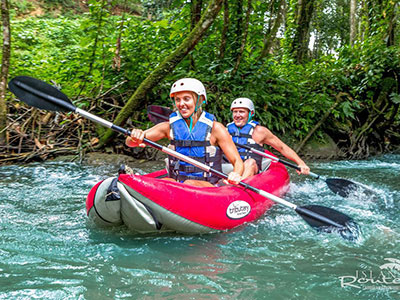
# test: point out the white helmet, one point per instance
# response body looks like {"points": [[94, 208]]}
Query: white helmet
{"points": [[188, 84], [243, 103]]}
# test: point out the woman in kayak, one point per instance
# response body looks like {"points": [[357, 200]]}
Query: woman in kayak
{"points": [[194, 133], [246, 131]]}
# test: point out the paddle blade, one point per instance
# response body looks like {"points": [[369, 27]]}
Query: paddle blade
{"points": [[335, 221], [345, 188], [39, 94], [158, 114]]}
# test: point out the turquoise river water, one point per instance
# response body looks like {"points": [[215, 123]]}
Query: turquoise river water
{"points": [[48, 250]]}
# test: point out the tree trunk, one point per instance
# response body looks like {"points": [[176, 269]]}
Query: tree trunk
{"points": [[270, 36], [361, 27], [137, 100], [195, 18], [353, 23], [222, 47], [195, 13], [392, 25], [244, 38], [5, 64], [301, 38], [238, 28]]}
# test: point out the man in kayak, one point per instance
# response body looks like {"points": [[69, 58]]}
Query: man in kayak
{"points": [[246, 131], [195, 133]]}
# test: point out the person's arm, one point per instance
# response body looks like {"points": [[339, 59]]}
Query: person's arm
{"points": [[224, 140], [154, 134], [263, 135]]}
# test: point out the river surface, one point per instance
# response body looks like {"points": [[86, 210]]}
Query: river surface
{"points": [[48, 250]]}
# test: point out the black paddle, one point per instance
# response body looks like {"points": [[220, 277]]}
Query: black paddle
{"points": [[42, 95], [340, 186]]}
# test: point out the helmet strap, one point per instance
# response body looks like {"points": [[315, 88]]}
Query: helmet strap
{"points": [[191, 124], [196, 108], [250, 117]]}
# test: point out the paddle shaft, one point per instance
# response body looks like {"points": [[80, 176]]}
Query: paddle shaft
{"points": [[207, 168], [289, 164], [165, 118], [60, 103], [265, 194], [340, 186], [316, 176], [343, 187]]}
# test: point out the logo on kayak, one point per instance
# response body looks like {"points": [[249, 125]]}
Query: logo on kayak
{"points": [[238, 209]]}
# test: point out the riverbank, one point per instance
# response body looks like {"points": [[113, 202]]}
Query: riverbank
{"points": [[42, 136], [322, 154], [142, 156], [114, 156]]}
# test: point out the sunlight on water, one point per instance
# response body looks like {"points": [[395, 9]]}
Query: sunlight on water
{"points": [[48, 250]]}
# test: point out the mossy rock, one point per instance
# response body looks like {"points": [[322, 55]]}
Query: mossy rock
{"points": [[321, 148]]}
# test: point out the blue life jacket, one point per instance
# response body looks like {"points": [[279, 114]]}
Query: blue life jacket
{"points": [[244, 136], [195, 144]]}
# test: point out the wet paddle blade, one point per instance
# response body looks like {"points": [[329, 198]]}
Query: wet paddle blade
{"points": [[158, 114], [37, 93], [344, 225], [345, 188]]}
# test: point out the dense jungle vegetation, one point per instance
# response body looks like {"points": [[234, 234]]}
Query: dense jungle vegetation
{"points": [[321, 70]]}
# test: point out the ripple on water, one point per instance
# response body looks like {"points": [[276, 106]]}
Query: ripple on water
{"points": [[48, 250]]}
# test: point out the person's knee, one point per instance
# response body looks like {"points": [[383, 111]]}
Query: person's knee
{"points": [[251, 164], [189, 181], [168, 179]]}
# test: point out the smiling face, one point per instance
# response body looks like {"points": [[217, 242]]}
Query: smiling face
{"points": [[240, 116], [185, 102]]}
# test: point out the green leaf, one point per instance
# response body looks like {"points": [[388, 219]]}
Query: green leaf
{"points": [[395, 98]]}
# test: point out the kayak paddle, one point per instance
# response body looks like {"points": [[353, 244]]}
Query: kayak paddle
{"points": [[158, 114], [340, 186], [44, 96]]}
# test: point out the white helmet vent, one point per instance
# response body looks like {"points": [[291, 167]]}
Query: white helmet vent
{"points": [[243, 103], [189, 84]]}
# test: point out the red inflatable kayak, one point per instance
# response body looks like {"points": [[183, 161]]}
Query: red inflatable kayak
{"points": [[146, 203]]}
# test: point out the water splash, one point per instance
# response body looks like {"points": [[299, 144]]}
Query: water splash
{"points": [[48, 250]]}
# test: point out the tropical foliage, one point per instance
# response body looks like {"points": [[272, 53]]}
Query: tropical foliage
{"points": [[293, 58]]}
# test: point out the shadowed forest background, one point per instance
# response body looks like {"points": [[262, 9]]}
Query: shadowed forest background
{"points": [[321, 73]]}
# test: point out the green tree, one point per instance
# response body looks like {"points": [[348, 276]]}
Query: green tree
{"points": [[5, 63], [168, 64], [301, 39]]}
